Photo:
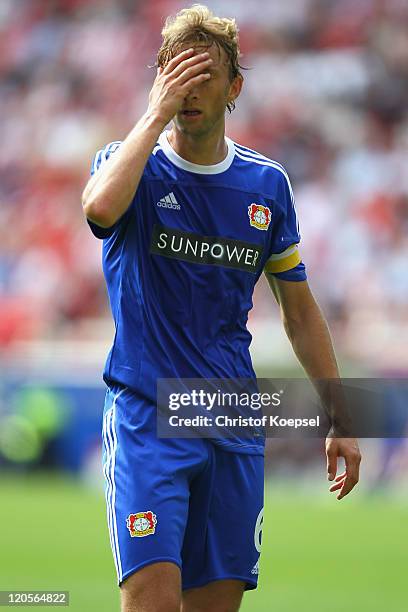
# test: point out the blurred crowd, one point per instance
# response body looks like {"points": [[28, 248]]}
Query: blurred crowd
{"points": [[326, 95]]}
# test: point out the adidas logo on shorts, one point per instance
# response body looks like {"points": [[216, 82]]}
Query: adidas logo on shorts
{"points": [[169, 201], [255, 569]]}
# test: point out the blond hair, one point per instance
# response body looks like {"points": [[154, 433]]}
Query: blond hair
{"points": [[198, 24]]}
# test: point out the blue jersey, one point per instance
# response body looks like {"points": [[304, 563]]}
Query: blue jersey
{"points": [[182, 262]]}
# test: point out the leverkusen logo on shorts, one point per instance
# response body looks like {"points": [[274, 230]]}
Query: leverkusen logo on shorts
{"points": [[141, 524], [259, 216]]}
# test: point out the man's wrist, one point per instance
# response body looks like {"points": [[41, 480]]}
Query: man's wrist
{"points": [[153, 119]]}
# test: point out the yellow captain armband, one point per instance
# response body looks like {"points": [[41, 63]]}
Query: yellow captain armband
{"points": [[281, 262]]}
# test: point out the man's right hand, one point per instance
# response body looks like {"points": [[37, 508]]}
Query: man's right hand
{"points": [[174, 82], [109, 192]]}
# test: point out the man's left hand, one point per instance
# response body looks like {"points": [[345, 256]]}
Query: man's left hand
{"points": [[349, 450]]}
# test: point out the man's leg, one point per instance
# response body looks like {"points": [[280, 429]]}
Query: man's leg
{"points": [[222, 541], [147, 495], [219, 596], [155, 588]]}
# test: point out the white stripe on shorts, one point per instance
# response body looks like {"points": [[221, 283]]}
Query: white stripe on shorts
{"points": [[111, 443], [106, 473]]}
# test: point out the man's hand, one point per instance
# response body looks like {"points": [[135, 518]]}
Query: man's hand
{"points": [[349, 450], [174, 82], [308, 332], [110, 191]]}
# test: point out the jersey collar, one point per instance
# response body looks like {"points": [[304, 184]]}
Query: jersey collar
{"points": [[197, 168]]}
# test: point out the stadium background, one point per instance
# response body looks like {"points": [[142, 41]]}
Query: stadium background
{"points": [[326, 94]]}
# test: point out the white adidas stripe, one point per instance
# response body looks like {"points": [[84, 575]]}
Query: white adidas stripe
{"points": [[110, 489], [256, 156], [111, 148], [106, 472], [115, 527], [269, 163], [97, 161], [111, 444], [253, 155], [103, 154], [261, 159]]}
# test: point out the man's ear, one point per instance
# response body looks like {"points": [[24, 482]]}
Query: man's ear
{"points": [[236, 87]]}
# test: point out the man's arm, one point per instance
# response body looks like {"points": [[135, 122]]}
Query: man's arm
{"points": [[309, 335], [110, 191]]}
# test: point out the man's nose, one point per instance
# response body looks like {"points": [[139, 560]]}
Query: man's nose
{"points": [[192, 95]]}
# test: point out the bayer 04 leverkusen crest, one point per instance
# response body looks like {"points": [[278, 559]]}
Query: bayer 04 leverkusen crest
{"points": [[141, 524], [259, 216]]}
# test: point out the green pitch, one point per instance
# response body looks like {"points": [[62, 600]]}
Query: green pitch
{"points": [[318, 555]]}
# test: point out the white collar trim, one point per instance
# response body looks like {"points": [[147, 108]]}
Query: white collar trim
{"points": [[197, 168]]}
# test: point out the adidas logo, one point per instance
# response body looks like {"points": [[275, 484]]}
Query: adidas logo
{"points": [[169, 201], [255, 569]]}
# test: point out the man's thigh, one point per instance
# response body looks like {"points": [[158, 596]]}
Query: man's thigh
{"points": [[155, 588], [223, 533], [220, 596], [147, 485]]}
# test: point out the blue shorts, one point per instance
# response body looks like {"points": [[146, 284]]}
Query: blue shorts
{"points": [[186, 501]]}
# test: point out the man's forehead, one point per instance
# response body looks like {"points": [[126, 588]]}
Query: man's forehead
{"points": [[217, 53]]}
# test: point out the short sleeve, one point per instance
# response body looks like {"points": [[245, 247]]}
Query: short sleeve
{"points": [[100, 158], [284, 260]]}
